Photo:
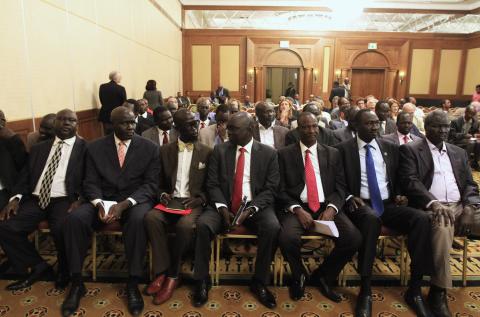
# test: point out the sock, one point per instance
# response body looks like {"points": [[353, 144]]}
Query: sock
{"points": [[76, 278], [133, 280], [366, 285], [415, 284]]}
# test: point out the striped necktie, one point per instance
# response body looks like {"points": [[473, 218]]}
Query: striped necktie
{"points": [[46, 186]]}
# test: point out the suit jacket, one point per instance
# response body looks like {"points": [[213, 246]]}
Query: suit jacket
{"points": [[456, 130], [12, 160], [292, 175], [226, 92], [264, 174], [343, 134], [207, 135], [393, 137], [138, 178], [153, 135], [111, 95], [197, 174], [37, 160], [325, 136], [32, 138], [390, 126], [336, 124], [279, 133], [351, 160], [144, 124], [417, 168], [338, 91]]}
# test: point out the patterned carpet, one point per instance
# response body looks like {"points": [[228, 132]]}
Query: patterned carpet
{"points": [[108, 300]]}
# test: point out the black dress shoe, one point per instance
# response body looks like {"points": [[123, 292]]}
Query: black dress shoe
{"points": [[437, 300], [297, 288], [134, 300], [40, 273], [327, 291], [62, 280], [200, 293], [416, 302], [363, 308], [263, 295], [72, 301]]}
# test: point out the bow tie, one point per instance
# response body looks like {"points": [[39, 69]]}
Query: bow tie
{"points": [[182, 146]]}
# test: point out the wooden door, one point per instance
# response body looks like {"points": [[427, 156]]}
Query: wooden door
{"points": [[368, 82]]}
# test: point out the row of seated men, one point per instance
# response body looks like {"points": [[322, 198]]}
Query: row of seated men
{"points": [[423, 189]]}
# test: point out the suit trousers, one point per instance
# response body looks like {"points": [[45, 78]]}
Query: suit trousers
{"points": [[4, 196], [264, 223], [79, 227], [14, 232], [157, 224], [346, 245], [404, 220]]}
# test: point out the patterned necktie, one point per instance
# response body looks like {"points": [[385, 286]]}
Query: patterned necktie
{"points": [[405, 139], [375, 196], [185, 146], [165, 138], [46, 186], [311, 182], [202, 125], [122, 151], [238, 181]]}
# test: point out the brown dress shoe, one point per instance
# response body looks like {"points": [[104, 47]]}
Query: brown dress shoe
{"points": [[166, 292], [154, 287]]}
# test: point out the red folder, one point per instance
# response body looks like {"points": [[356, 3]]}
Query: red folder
{"points": [[176, 211]]}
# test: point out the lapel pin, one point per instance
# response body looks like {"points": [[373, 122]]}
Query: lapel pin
{"points": [[385, 153]]}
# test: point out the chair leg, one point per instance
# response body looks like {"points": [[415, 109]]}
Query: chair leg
{"points": [[217, 261], [281, 262], [94, 256], [402, 261], [213, 263], [465, 261], [150, 262]]}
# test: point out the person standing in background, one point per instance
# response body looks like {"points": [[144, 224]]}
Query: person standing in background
{"points": [[153, 96], [476, 94], [111, 95]]}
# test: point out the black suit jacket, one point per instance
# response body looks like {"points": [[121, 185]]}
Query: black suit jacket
{"points": [[144, 124], [417, 168], [264, 174], [138, 178], [36, 164], [325, 136], [456, 130], [12, 160], [111, 95], [351, 162], [226, 92], [292, 175], [343, 134], [197, 174], [338, 91], [390, 126]]}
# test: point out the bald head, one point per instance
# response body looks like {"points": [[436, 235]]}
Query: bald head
{"points": [[123, 121], [409, 107], [240, 128]]}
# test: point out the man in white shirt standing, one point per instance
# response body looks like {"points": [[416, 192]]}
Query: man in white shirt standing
{"points": [[48, 189], [266, 131], [436, 177]]}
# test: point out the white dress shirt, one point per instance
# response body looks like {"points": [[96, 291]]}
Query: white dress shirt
{"points": [[380, 169], [444, 185], [183, 173], [160, 136], [246, 186], [206, 123], [345, 122], [401, 138], [266, 135]]}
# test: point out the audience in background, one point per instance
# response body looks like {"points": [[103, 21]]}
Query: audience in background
{"points": [[285, 113], [45, 131], [216, 133], [476, 94], [111, 95], [404, 126], [163, 132], [341, 120], [234, 105], [203, 110], [387, 125], [336, 91], [417, 128], [394, 108], [360, 102], [182, 101], [143, 119], [266, 129], [446, 104], [464, 132], [290, 91], [296, 102], [247, 104], [153, 96], [172, 105], [222, 93], [349, 131]]}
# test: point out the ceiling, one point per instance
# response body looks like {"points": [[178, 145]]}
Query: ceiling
{"points": [[437, 16]]}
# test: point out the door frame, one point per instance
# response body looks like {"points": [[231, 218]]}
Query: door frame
{"points": [[384, 87], [299, 79]]}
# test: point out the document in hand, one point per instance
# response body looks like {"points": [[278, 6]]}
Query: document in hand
{"points": [[174, 207], [326, 227], [107, 205]]}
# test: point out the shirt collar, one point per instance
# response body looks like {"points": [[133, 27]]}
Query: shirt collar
{"points": [[261, 127], [205, 122], [145, 115], [313, 148], [402, 135], [361, 144], [117, 140], [161, 131], [69, 141], [247, 147], [434, 148]]}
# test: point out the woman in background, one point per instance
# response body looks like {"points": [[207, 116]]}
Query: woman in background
{"points": [[284, 113], [394, 108], [152, 95]]}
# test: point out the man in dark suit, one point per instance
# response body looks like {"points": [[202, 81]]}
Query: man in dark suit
{"points": [[348, 132], [203, 111], [313, 187], [222, 92], [436, 177], [341, 121], [45, 131], [387, 124], [121, 169], [143, 119], [183, 102], [111, 95], [266, 131], [12, 159], [237, 168], [48, 189], [462, 130], [164, 132], [373, 200], [336, 91], [290, 91], [404, 127], [183, 169]]}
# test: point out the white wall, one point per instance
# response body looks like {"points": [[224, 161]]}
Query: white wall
{"points": [[56, 53]]}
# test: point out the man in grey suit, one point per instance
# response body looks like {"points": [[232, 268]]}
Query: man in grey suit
{"points": [[163, 132], [265, 130], [348, 132], [341, 121], [216, 133], [387, 124], [404, 126]]}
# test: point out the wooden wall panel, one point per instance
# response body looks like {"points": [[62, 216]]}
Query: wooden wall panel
{"points": [[449, 72]]}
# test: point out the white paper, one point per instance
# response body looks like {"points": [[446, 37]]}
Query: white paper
{"points": [[107, 205], [326, 227]]}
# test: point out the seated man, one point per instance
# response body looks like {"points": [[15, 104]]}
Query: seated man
{"points": [[387, 124], [143, 119], [404, 127], [373, 200], [237, 168], [46, 131], [436, 177], [183, 169], [203, 110], [462, 130], [266, 131], [163, 132], [216, 133], [48, 189], [341, 121], [313, 187], [347, 132], [123, 168]]}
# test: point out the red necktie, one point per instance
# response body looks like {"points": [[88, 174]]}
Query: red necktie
{"points": [[311, 182], [202, 125], [122, 151], [238, 181], [165, 138], [405, 139]]}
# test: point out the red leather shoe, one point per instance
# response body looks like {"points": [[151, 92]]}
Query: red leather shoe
{"points": [[155, 286], [167, 291]]}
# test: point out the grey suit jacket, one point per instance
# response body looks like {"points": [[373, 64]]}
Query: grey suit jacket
{"points": [[393, 137], [207, 135], [153, 135], [343, 134], [279, 133]]}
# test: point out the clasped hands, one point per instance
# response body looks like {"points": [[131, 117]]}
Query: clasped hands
{"points": [[115, 212], [306, 219]]}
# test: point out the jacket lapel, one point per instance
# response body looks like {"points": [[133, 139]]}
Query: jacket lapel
{"points": [[323, 164], [111, 150], [173, 158], [298, 158], [193, 165], [230, 165], [456, 164], [72, 163], [254, 168], [256, 132], [132, 148], [388, 163], [356, 164], [42, 162]]}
